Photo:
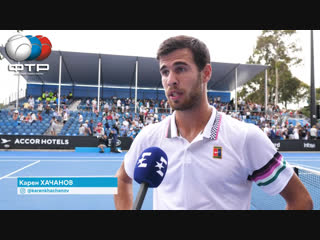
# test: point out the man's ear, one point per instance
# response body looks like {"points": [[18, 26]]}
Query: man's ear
{"points": [[206, 73]]}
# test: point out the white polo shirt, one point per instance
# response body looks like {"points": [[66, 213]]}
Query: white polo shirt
{"points": [[215, 170]]}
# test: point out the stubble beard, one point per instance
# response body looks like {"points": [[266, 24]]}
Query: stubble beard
{"points": [[192, 100]]}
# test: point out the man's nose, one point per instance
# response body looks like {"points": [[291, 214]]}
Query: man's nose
{"points": [[172, 80]]}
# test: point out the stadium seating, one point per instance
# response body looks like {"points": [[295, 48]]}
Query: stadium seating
{"points": [[71, 127]]}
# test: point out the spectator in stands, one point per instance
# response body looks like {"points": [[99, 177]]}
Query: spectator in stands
{"points": [[53, 126], [82, 130], [266, 130], [296, 133], [132, 133], [90, 127], [40, 107], [162, 105], [15, 115], [99, 130], [140, 124], [33, 118], [88, 104], [69, 96], [44, 95], [106, 107], [109, 116], [21, 117], [94, 104], [149, 119], [103, 142], [80, 117], [313, 132], [290, 132], [26, 105], [284, 132], [56, 114], [303, 133], [39, 117], [113, 135], [31, 102], [86, 126], [117, 125], [27, 119], [273, 132], [48, 109], [65, 116], [119, 105]]}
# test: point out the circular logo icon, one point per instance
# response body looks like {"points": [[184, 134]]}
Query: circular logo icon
{"points": [[20, 48], [22, 190]]}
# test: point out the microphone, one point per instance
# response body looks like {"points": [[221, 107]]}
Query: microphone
{"points": [[149, 171]]}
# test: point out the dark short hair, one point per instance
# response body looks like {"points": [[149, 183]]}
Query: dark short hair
{"points": [[200, 52]]}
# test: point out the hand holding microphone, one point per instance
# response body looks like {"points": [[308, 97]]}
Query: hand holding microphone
{"points": [[149, 171]]}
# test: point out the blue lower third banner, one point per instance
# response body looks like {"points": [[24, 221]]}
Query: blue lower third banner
{"points": [[67, 185]]}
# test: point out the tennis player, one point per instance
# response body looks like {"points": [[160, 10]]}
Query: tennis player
{"points": [[213, 159]]}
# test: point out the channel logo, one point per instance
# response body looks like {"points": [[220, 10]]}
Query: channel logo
{"points": [[20, 48]]}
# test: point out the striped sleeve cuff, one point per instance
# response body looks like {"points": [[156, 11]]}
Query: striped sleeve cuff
{"points": [[274, 176]]}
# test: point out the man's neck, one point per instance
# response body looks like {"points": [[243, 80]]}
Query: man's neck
{"points": [[191, 122]]}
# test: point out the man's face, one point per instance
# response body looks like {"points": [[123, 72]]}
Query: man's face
{"points": [[181, 80]]}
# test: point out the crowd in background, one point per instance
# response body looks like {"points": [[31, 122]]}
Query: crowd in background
{"points": [[118, 114]]}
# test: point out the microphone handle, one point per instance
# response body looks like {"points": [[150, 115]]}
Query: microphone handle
{"points": [[140, 196]]}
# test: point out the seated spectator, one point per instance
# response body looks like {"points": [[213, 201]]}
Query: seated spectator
{"points": [[21, 117], [33, 118], [15, 115], [80, 117], [99, 130], [82, 130], [106, 107], [26, 105], [132, 133], [39, 117], [28, 118], [48, 109], [40, 107]]}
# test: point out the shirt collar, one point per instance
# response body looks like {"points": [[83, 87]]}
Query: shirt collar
{"points": [[211, 130]]}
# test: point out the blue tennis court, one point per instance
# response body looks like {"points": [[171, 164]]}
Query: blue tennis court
{"points": [[14, 164], [52, 164]]}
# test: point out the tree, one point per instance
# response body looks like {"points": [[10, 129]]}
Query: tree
{"points": [[277, 49]]}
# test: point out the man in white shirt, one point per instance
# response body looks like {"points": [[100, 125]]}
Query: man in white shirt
{"points": [[313, 132], [80, 119], [31, 102], [94, 104], [212, 159]]}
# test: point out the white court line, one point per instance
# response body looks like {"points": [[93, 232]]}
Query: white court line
{"points": [[29, 165]]}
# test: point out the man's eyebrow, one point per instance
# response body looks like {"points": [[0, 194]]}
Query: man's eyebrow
{"points": [[175, 64]]}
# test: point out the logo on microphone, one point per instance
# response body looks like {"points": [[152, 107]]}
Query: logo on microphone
{"points": [[159, 165], [140, 161]]}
